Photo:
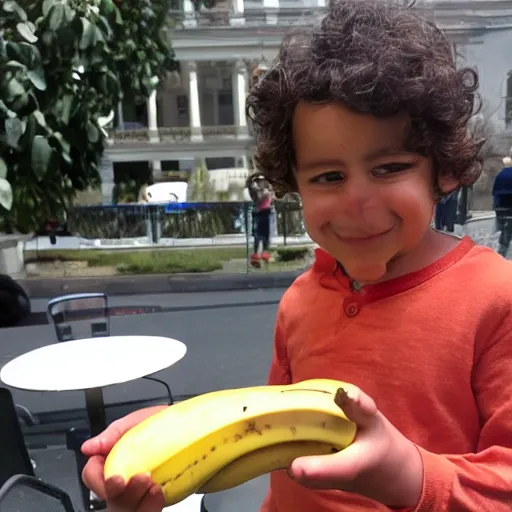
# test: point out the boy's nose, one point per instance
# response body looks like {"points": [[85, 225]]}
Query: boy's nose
{"points": [[357, 197]]}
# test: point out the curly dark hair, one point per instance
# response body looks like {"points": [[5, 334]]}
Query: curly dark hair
{"points": [[375, 58]]}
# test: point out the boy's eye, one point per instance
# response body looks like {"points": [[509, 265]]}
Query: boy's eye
{"points": [[328, 177], [388, 169]]}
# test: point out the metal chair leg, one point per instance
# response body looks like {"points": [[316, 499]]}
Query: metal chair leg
{"points": [[169, 394]]}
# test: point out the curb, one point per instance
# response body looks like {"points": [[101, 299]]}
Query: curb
{"points": [[157, 283]]}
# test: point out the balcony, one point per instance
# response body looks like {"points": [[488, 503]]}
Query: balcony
{"points": [[251, 17], [175, 143], [449, 14], [176, 135]]}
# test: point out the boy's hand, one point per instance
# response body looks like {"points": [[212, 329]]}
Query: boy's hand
{"points": [[137, 495], [380, 464]]}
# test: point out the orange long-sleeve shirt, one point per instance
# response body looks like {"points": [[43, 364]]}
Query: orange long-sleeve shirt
{"points": [[434, 349]]}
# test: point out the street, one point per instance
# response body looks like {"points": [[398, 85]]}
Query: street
{"points": [[228, 337]]}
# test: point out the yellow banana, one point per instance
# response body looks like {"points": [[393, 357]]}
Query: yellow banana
{"points": [[193, 443], [266, 459]]}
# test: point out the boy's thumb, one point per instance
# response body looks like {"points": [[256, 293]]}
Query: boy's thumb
{"points": [[357, 406]]}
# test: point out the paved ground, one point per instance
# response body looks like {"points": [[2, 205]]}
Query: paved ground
{"points": [[228, 335], [229, 340]]}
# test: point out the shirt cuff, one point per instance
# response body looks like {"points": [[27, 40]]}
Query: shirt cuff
{"points": [[438, 475]]}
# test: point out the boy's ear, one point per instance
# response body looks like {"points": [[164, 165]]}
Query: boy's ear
{"points": [[448, 184]]}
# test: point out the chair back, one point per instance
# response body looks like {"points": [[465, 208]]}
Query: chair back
{"points": [[30, 494], [79, 316], [14, 459]]}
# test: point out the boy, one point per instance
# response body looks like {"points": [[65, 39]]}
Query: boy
{"points": [[367, 119]]}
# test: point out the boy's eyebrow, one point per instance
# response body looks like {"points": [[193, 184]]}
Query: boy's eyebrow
{"points": [[373, 155], [335, 163]]}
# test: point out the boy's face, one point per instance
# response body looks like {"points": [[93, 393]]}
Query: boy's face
{"points": [[367, 201]]}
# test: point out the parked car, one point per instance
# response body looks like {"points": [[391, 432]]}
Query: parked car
{"points": [[14, 302]]}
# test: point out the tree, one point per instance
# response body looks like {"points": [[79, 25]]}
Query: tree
{"points": [[63, 67]]}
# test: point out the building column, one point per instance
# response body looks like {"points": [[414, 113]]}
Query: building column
{"points": [[153, 130], [193, 99], [239, 97], [271, 8], [107, 180], [238, 9], [190, 20]]}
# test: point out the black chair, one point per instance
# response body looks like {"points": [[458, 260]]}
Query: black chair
{"points": [[16, 468], [81, 316], [39, 486], [85, 315]]}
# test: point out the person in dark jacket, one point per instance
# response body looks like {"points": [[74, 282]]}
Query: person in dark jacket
{"points": [[502, 205], [446, 212]]}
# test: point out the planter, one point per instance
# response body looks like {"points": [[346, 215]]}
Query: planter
{"points": [[12, 262]]}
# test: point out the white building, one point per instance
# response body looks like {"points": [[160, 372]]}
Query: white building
{"points": [[201, 112]]}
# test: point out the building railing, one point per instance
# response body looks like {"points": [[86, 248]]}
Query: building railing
{"points": [[176, 134], [284, 15], [251, 17]]}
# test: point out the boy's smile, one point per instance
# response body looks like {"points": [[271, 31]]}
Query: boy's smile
{"points": [[367, 200]]}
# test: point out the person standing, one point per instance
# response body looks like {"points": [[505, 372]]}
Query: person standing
{"points": [[446, 212], [502, 205], [261, 194]]}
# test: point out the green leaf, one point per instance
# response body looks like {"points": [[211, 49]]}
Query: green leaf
{"points": [[36, 76], [9, 6], [66, 106], [25, 53], [14, 89], [65, 147], [93, 133], [7, 111], [47, 5], [56, 17], [63, 143], [88, 34], [26, 32], [3, 169], [40, 118], [5, 194], [14, 64], [13, 130], [41, 155]]}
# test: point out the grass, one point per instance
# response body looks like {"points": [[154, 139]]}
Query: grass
{"points": [[291, 253], [161, 261]]}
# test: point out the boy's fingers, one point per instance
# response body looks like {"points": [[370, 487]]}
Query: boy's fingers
{"points": [[153, 501], [132, 495], [92, 476], [357, 406], [328, 471]]}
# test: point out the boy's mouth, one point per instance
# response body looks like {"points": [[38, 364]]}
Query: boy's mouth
{"points": [[362, 238]]}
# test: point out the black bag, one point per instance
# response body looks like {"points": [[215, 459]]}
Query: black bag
{"points": [[14, 302]]}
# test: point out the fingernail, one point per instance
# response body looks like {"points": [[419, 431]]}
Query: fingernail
{"points": [[341, 397]]}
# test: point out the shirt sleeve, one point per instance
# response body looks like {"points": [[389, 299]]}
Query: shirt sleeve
{"points": [[481, 480], [280, 373]]}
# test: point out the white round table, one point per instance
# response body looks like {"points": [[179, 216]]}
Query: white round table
{"points": [[90, 364]]}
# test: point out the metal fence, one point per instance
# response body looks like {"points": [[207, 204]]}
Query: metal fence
{"points": [[179, 220]]}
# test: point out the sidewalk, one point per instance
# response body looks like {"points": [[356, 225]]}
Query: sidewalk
{"points": [[480, 227], [42, 243]]}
